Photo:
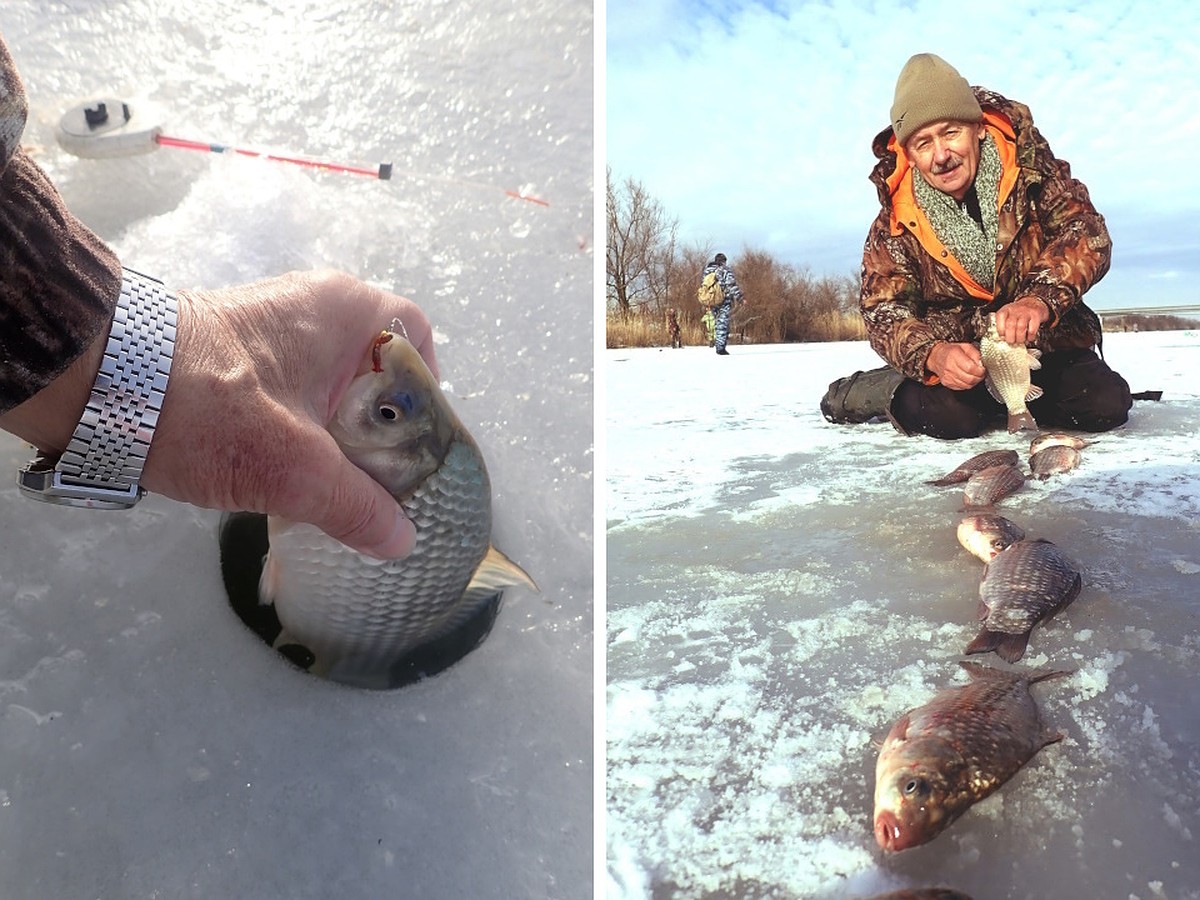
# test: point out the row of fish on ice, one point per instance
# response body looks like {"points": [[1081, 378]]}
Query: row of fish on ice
{"points": [[940, 758]]}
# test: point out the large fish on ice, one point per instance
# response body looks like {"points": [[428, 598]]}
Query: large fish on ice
{"points": [[1053, 460], [1026, 582], [360, 617], [1008, 368], [958, 748], [1055, 439]]}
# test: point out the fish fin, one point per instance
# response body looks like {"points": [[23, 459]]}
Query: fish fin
{"points": [[952, 478], [1047, 674], [898, 731], [1022, 421], [1033, 393], [1035, 357], [268, 581], [992, 389], [1076, 587], [1011, 647], [1051, 737], [985, 642], [982, 612], [496, 571]]}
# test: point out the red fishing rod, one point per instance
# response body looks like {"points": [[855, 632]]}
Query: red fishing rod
{"points": [[107, 128]]}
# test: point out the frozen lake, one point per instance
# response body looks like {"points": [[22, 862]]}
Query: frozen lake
{"points": [[780, 590], [150, 745]]}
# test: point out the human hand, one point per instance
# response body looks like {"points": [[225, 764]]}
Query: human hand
{"points": [[1018, 322], [258, 371], [958, 366]]}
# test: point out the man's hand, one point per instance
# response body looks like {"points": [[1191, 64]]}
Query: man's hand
{"points": [[958, 366], [1018, 322], [258, 372]]}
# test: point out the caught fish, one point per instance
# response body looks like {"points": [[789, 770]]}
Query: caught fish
{"points": [[1025, 583], [1008, 368], [986, 534], [360, 617], [980, 461], [958, 748], [1053, 460], [994, 483], [1054, 439]]}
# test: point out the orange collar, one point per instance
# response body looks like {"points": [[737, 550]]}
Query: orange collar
{"points": [[907, 214]]}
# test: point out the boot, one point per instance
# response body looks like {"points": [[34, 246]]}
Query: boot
{"points": [[861, 397]]}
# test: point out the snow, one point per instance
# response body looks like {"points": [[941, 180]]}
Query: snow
{"points": [[780, 590], [150, 744]]}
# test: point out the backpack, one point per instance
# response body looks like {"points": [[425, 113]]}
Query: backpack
{"points": [[710, 293]]}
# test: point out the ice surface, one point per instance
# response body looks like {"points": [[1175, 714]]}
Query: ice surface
{"points": [[780, 590], [150, 745]]}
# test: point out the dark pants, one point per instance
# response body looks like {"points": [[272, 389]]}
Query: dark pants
{"points": [[722, 327], [1079, 392]]}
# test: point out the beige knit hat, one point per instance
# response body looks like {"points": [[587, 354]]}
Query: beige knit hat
{"points": [[929, 89]]}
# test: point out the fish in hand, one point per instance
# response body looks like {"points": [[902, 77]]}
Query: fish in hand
{"points": [[360, 617], [1008, 379]]}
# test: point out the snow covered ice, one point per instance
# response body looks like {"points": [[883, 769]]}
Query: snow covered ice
{"points": [[781, 590], [150, 744]]}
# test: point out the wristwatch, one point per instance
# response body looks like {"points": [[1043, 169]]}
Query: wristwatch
{"points": [[102, 465]]}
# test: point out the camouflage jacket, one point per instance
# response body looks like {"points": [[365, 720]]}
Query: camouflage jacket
{"points": [[1051, 244], [58, 282], [729, 284]]}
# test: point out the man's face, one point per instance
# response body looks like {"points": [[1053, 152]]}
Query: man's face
{"points": [[946, 153]]}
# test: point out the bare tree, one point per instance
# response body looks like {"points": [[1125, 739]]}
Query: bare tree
{"points": [[639, 248]]}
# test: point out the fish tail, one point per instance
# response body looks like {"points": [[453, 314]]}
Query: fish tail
{"points": [[1022, 421], [1009, 647], [985, 642], [497, 571], [952, 478]]}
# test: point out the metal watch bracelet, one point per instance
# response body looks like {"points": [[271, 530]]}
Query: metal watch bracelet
{"points": [[102, 465]]}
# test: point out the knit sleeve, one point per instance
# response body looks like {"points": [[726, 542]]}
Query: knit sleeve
{"points": [[58, 281]]}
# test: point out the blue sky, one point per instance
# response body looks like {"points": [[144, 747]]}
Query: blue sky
{"points": [[751, 122]]}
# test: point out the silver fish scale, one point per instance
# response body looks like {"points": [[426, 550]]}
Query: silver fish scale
{"points": [[359, 616], [1025, 583], [994, 483]]}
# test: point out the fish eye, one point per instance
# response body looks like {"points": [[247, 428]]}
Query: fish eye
{"points": [[396, 406], [916, 786]]}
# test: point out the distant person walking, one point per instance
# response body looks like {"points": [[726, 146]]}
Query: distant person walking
{"points": [[731, 294], [673, 330]]}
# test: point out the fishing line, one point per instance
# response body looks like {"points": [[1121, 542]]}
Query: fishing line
{"points": [[108, 128]]}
